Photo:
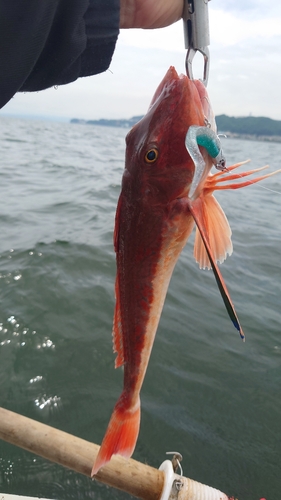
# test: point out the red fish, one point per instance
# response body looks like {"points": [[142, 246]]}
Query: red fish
{"points": [[155, 216]]}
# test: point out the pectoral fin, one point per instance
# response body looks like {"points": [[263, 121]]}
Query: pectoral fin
{"points": [[197, 210], [218, 230]]}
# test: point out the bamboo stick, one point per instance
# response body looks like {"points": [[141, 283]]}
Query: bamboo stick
{"points": [[137, 479]]}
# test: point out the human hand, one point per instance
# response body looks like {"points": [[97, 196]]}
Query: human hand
{"points": [[149, 14]]}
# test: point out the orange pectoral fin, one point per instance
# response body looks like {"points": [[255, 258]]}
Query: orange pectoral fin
{"points": [[196, 209], [219, 233]]}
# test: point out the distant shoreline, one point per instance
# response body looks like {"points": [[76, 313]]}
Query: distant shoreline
{"points": [[248, 128], [253, 137]]}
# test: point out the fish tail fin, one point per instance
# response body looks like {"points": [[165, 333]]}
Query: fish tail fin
{"points": [[218, 230], [121, 434]]}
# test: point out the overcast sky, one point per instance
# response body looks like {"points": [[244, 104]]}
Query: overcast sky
{"points": [[245, 70]]}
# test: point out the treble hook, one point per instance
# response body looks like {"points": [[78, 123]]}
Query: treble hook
{"points": [[196, 35]]}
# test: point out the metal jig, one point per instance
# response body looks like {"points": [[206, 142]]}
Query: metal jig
{"points": [[196, 35]]}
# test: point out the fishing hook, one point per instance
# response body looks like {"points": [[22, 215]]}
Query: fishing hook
{"points": [[196, 35]]}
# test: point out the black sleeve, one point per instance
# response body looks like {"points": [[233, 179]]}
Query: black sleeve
{"points": [[53, 42]]}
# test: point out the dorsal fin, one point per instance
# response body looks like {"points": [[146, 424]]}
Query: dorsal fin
{"points": [[117, 325], [117, 225], [117, 329]]}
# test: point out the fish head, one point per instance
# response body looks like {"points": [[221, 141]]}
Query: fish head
{"points": [[158, 166]]}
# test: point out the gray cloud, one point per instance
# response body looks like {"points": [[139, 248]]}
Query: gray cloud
{"points": [[257, 9]]}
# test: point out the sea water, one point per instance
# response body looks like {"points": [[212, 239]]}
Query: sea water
{"points": [[206, 394]]}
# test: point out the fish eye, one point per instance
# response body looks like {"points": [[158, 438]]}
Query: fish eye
{"points": [[151, 155]]}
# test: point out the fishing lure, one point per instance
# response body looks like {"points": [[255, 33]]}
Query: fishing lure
{"points": [[207, 138]]}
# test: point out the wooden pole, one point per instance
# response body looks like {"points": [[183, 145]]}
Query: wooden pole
{"points": [[137, 479]]}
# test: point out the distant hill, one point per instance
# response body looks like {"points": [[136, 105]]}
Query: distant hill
{"points": [[255, 125], [249, 127], [122, 122]]}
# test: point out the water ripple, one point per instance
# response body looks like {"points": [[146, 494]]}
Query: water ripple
{"points": [[205, 393]]}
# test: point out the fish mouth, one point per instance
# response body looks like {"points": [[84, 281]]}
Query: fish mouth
{"points": [[194, 112], [171, 78], [201, 140]]}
